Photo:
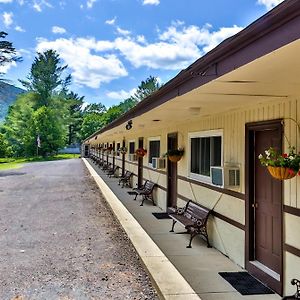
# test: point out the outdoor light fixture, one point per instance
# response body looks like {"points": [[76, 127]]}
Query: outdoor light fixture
{"points": [[194, 110], [129, 125]]}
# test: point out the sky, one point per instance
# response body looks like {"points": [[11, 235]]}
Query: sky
{"points": [[110, 46]]}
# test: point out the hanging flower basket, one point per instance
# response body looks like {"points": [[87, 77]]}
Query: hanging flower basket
{"points": [[174, 158], [140, 152], [175, 155], [281, 173], [281, 166]]}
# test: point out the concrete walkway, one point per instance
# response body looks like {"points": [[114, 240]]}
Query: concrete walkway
{"points": [[199, 266]]}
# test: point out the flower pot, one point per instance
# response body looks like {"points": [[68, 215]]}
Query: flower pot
{"points": [[281, 173], [174, 158]]}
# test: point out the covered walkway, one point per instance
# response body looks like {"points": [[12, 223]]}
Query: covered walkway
{"points": [[199, 265]]}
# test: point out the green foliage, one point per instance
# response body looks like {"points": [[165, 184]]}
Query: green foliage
{"points": [[47, 110], [274, 158], [45, 77], [49, 126], [146, 88], [91, 123], [7, 51]]}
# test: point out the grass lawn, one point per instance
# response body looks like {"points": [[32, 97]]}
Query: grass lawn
{"points": [[14, 163]]}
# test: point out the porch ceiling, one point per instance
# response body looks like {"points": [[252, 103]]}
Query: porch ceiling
{"points": [[275, 76]]}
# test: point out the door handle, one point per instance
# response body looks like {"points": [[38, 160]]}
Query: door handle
{"points": [[254, 205]]}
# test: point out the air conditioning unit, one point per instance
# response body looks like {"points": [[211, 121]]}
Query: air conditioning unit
{"points": [[132, 157], [225, 176], [158, 163]]}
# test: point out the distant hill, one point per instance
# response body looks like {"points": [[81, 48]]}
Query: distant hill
{"points": [[8, 95]]}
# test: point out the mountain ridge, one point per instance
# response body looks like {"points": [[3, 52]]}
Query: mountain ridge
{"points": [[8, 95]]}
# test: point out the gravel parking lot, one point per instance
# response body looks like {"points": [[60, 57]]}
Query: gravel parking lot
{"points": [[60, 240]]}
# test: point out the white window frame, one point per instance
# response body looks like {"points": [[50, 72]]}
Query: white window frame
{"points": [[202, 134], [152, 139]]}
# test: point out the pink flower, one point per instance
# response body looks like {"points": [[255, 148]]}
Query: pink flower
{"points": [[284, 155], [292, 172]]}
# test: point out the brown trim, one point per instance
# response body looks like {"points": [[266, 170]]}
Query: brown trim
{"points": [[218, 215], [214, 188], [291, 210], [250, 129], [263, 36], [215, 214], [292, 250], [208, 186]]}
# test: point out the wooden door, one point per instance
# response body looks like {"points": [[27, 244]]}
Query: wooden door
{"points": [[265, 208], [172, 172]]}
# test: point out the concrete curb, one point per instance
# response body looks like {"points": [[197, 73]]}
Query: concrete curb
{"points": [[169, 282]]}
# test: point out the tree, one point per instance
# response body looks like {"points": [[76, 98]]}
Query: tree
{"points": [[47, 110], [45, 77], [7, 51], [146, 88]]}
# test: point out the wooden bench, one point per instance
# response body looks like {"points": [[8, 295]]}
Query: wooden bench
{"points": [[193, 218], [112, 171], [146, 191], [125, 180], [105, 166]]}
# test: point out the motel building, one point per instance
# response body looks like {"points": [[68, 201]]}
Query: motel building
{"points": [[224, 110]]}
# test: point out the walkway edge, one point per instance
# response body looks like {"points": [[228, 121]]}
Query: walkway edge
{"points": [[169, 283]]}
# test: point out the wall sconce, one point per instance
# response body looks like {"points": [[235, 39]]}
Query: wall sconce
{"points": [[129, 125]]}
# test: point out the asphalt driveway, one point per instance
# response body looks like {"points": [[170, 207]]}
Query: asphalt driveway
{"points": [[59, 239]]}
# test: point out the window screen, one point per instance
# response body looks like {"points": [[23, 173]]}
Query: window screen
{"points": [[154, 150], [131, 147], [205, 152]]}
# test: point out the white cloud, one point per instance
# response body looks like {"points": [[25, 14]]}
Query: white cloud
{"points": [[88, 69], [39, 4], [5, 68], [123, 31], [7, 18], [151, 2], [120, 95], [19, 28], [94, 62], [269, 4], [58, 30], [111, 22], [176, 47], [6, 1], [90, 3]]}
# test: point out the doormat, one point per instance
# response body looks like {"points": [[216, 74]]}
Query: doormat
{"points": [[161, 215], [245, 284], [131, 193]]}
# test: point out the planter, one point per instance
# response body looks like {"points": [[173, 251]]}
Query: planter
{"points": [[281, 173], [141, 152], [174, 158]]}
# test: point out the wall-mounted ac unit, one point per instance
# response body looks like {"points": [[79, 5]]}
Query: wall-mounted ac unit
{"points": [[225, 176], [158, 163], [132, 157]]}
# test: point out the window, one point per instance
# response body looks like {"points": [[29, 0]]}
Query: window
{"points": [[205, 152], [117, 149], [131, 147], [154, 150]]}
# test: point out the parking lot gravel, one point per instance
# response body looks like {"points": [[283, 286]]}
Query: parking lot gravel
{"points": [[60, 240]]}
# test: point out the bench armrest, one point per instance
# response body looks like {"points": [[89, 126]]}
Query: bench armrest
{"points": [[176, 210]]}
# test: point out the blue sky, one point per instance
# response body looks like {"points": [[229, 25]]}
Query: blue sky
{"points": [[110, 46]]}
